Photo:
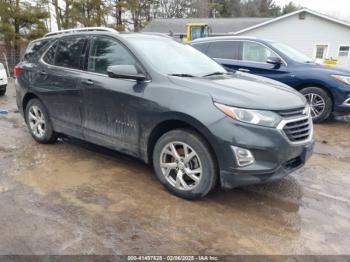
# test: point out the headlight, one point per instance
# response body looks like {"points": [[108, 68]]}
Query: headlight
{"points": [[343, 79], [255, 117]]}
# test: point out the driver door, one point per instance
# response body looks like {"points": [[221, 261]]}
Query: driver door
{"points": [[253, 57], [111, 106]]}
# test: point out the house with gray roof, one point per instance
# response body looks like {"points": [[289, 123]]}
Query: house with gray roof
{"points": [[318, 36], [219, 26]]}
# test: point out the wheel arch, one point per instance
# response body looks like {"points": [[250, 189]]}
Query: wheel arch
{"points": [[318, 85], [179, 121], [25, 101]]}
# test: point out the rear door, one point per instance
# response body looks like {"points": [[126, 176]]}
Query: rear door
{"points": [[111, 108], [225, 53], [58, 80]]}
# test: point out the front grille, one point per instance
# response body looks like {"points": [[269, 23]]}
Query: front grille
{"points": [[298, 130], [292, 112]]}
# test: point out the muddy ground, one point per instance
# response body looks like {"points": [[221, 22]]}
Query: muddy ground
{"points": [[76, 198]]}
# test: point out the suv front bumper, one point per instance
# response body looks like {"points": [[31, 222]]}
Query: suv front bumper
{"points": [[243, 178], [275, 156]]}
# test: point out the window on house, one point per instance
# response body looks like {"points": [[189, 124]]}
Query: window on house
{"points": [[344, 51], [321, 51]]}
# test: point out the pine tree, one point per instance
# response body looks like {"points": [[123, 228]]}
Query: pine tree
{"points": [[20, 22]]}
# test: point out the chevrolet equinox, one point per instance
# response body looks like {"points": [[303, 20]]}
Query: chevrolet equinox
{"points": [[165, 103]]}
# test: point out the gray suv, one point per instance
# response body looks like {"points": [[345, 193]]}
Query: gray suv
{"points": [[165, 103]]}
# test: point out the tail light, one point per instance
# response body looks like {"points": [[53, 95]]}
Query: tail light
{"points": [[16, 71]]}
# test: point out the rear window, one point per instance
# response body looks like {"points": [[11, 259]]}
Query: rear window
{"points": [[203, 47], [224, 50], [50, 54], [34, 50], [70, 52]]}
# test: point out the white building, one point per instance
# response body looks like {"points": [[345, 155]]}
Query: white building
{"points": [[314, 34]]}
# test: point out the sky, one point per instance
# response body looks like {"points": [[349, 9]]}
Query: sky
{"points": [[336, 8]]}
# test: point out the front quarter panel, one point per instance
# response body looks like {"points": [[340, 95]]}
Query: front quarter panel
{"points": [[171, 102]]}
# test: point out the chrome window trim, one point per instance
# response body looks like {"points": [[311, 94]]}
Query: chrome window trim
{"points": [[41, 60], [236, 40], [284, 122]]}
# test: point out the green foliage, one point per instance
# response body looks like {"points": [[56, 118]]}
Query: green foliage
{"points": [[290, 7], [21, 21]]}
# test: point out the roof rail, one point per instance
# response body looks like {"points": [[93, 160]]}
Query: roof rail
{"points": [[83, 29]]}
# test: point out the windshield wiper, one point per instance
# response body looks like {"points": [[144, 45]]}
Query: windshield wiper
{"points": [[217, 74], [182, 75]]}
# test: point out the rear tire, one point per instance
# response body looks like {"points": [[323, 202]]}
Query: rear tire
{"points": [[38, 122], [2, 92], [190, 171], [320, 102]]}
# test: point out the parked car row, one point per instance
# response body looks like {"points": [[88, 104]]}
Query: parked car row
{"points": [[327, 89], [167, 104]]}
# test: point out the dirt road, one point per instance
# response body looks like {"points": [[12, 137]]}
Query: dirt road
{"points": [[76, 198]]}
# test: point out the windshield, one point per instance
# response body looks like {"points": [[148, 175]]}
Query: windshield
{"points": [[291, 53], [170, 57]]}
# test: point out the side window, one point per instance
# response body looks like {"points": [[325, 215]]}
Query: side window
{"points": [[225, 50], [33, 50], [50, 54], [203, 47], [69, 52], [104, 52], [255, 52]]}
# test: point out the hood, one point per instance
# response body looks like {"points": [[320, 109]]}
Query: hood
{"points": [[337, 70], [246, 91]]}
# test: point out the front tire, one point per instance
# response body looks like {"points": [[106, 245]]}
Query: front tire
{"points": [[184, 164], [320, 102], [39, 123]]}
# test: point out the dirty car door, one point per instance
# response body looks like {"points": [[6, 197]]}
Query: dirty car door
{"points": [[111, 107], [58, 84]]}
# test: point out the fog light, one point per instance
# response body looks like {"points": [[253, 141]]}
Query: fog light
{"points": [[243, 156]]}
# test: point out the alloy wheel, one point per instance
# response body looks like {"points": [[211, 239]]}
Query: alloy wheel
{"points": [[37, 121], [181, 166], [317, 104]]}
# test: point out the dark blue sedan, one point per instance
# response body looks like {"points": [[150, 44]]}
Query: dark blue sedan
{"points": [[327, 89]]}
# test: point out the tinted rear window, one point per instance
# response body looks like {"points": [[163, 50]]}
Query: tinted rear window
{"points": [[224, 49], [50, 55], [34, 50], [203, 47], [69, 52]]}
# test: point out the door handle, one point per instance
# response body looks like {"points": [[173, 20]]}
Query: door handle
{"points": [[88, 82], [244, 70]]}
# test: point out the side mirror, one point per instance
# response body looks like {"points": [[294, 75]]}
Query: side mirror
{"points": [[274, 61], [125, 72]]}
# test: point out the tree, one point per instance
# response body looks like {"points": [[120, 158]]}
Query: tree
{"points": [[289, 8], [89, 12], [119, 7], [21, 22], [63, 12]]}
